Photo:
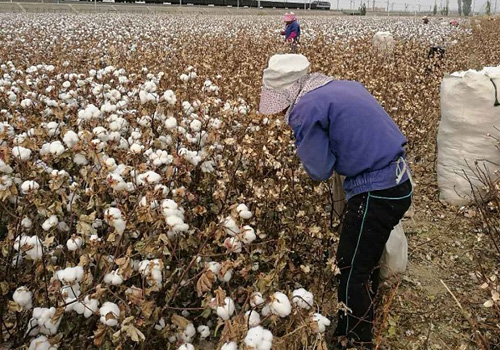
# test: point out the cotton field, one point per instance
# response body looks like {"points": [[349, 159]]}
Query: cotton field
{"points": [[145, 203]]}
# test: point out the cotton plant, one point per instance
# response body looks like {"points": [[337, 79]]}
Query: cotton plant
{"points": [[152, 271], [30, 245], [113, 216]]}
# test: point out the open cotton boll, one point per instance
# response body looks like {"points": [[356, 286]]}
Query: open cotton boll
{"points": [[233, 244], [280, 305], [35, 251], [136, 148], [259, 338], [256, 299], [186, 346], [227, 276], [149, 177], [21, 153], [56, 148], [70, 274], [248, 235], [252, 317], [321, 323], [113, 278], [170, 97], [208, 166], [74, 243], [227, 310], [230, 226], [214, 267], [30, 186], [80, 159], [188, 333], [229, 346], [170, 123], [51, 222], [110, 313], [23, 297], [204, 331], [4, 168], [87, 307], [152, 270], [184, 78], [41, 343], [45, 320], [195, 125], [160, 325], [26, 222], [70, 138], [302, 298]]}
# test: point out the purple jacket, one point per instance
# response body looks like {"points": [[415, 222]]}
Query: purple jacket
{"points": [[341, 127]]}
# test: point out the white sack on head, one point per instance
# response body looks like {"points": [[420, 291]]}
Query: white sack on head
{"points": [[467, 133], [383, 42]]}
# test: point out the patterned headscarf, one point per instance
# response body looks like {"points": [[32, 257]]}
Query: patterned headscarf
{"points": [[275, 101]]}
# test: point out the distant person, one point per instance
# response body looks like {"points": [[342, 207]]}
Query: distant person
{"points": [[426, 20], [292, 29], [340, 127]]}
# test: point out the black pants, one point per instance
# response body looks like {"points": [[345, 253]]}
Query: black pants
{"points": [[368, 221]]}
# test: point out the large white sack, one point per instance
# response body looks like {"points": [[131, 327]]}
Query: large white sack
{"points": [[395, 256], [466, 132], [383, 42]]}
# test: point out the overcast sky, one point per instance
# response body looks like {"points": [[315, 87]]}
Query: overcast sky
{"points": [[412, 4]]}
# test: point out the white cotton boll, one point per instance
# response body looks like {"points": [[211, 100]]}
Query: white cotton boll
{"points": [[186, 346], [208, 166], [51, 222], [227, 276], [256, 299], [188, 333], [322, 322], [26, 223], [80, 159], [70, 274], [266, 311], [160, 325], [252, 318], [233, 244], [21, 153], [30, 186], [149, 177], [227, 310], [56, 148], [110, 313], [170, 123], [119, 225], [169, 96], [195, 125], [44, 319], [35, 250], [184, 78], [136, 148], [302, 298], [4, 168], [248, 235], [26, 103], [113, 213], [280, 305], [41, 343], [258, 338], [214, 267], [74, 243], [230, 226], [113, 278], [204, 331], [90, 307], [23, 297], [229, 346], [70, 139]]}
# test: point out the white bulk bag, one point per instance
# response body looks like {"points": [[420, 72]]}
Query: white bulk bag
{"points": [[383, 42], [395, 256], [466, 132]]}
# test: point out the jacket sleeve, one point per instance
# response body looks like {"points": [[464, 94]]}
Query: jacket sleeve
{"points": [[313, 147]]}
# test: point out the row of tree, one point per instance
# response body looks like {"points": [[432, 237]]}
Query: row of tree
{"points": [[464, 6]]}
